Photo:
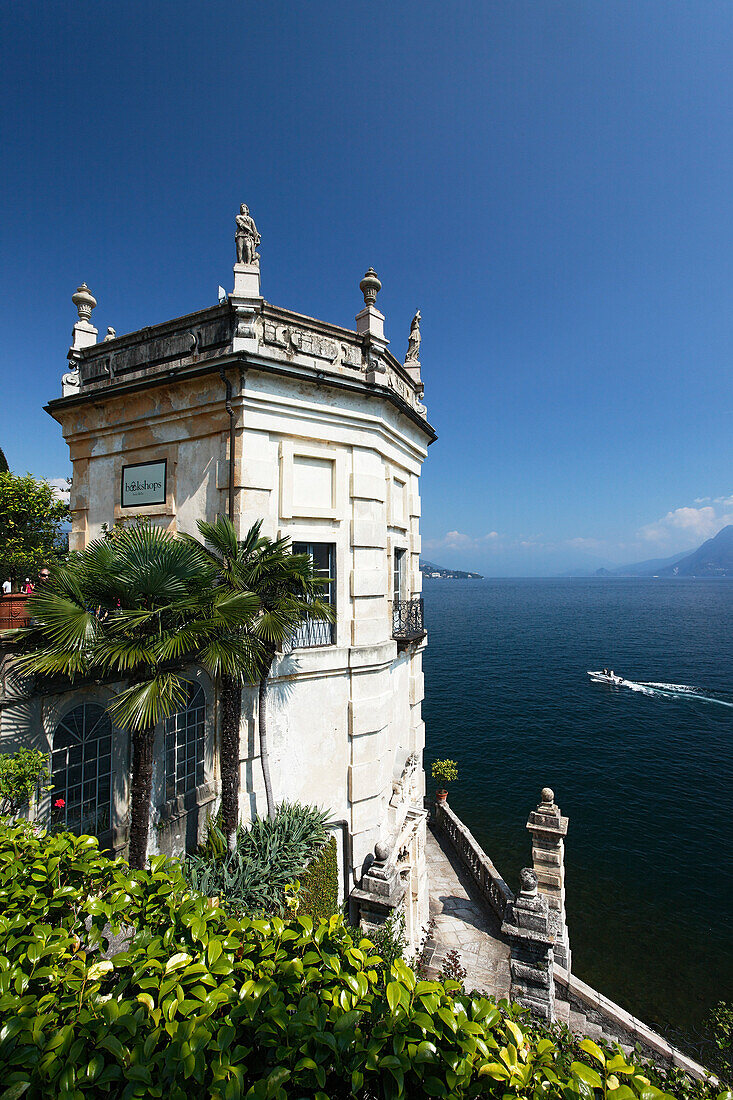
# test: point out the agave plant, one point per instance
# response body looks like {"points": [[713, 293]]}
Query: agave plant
{"points": [[137, 606], [267, 858]]}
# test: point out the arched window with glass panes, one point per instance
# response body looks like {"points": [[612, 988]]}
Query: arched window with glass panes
{"points": [[184, 745], [81, 772]]}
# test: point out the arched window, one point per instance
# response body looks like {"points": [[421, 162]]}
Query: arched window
{"points": [[81, 771], [184, 745]]}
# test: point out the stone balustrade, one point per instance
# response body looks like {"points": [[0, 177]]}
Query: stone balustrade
{"points": [[492, 886]]}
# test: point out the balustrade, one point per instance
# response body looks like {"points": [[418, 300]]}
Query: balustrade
{"points": [[493, 888]]}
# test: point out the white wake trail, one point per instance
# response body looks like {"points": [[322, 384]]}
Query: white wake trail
{"points": [[673, 691]]}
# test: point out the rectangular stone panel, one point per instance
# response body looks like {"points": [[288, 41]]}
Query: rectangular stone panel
{"points": [[369, 715]]}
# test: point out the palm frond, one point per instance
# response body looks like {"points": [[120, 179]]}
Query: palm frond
{"points": [[145, 704]]}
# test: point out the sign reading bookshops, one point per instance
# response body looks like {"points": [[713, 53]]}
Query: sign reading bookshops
{"points": [[143, 483]]}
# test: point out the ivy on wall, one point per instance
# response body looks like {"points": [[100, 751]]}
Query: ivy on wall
{"points": [[319, 884]]}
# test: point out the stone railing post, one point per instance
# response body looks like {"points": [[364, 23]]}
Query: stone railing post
{"points": [[549, 829], [382, 891], [527, 926]]}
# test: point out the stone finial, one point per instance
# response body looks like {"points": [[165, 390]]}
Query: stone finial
{"points": [[413, 343], [84, 301], [528, 882], [111, 334], [381, 851], [370, 287], [246, 238], [548, 795]]}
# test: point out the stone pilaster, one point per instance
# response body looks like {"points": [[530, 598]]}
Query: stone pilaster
{"points": [[382, 891], [549, 829], [527, 927]]}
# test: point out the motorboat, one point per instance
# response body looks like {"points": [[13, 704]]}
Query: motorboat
{"points": [[605, 676]]}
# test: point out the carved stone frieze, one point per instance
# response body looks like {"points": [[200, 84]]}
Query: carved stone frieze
{"points": [[295, 341]]}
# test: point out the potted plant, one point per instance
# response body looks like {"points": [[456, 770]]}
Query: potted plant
{"points": [[444, 772]]}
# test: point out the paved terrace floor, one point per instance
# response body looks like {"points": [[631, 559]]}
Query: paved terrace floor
{"points": [[463, 923]]}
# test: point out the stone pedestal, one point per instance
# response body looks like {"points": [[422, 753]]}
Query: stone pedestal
{"points": [[246, 281], [527, 927], [382, 891], [247, 303], [412, 366], [549, 829]]}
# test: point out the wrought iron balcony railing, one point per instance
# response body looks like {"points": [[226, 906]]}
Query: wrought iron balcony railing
{"points": [[314, 632], [408, 623]]}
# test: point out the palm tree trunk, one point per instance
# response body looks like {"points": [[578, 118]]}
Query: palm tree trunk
{"points": [[142, 787], [231, 706], [264, 751]]}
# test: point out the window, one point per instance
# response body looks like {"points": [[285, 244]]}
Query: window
{"points": [[398, 586], [184, 745], [318, 631], [81, 771]]}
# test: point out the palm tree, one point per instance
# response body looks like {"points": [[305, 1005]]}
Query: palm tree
{"points": [[229, 560], [139, 605], [287, 587]]}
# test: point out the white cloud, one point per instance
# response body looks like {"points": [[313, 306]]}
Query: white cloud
{"points": [[581, 543], [60, 486], [457, 540], [689, 524]]}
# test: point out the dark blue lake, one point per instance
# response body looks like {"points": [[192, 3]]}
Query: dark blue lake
{"points": [[643, 771]]}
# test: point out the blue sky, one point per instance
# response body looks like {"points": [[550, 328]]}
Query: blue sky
{"points": [[550, 182]]}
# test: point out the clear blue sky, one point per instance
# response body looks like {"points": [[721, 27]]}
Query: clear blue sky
{"points": [[550, 182]]}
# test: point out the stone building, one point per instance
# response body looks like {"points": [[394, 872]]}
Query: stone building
{"points": [[257, 411]]}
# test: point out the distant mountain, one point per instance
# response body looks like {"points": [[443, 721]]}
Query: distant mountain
{"points": [[713, 559], [649, 568], [430, 569]]}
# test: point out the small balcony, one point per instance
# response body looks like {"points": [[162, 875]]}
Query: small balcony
{"points": [[408, 623]]}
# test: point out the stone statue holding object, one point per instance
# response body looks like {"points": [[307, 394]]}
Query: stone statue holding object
{"points": [[413, 343], [246, 238]]}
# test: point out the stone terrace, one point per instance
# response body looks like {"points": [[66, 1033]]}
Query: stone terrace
{"points": [[463, 923]]}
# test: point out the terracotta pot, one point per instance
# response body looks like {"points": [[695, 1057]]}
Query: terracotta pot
{"points": [[441, 796]]}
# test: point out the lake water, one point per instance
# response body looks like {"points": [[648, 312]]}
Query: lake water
{"points": [[643, 771]]}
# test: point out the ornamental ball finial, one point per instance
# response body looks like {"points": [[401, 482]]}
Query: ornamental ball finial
{"points": [[381, 851], [370, 287], [84, 301], [548, 795]]}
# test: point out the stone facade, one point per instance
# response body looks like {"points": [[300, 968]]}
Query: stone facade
{"points": [[325, 444]]}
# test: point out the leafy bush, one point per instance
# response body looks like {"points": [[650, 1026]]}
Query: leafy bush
{"points": [[444, 771], [319, 891], [21, 775], [202, 1003], [268, 856]]}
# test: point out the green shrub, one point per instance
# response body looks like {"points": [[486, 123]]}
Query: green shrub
{"points": [[204, 1004], [319, 887], [268, 856], [22, 774], [444, 771]]}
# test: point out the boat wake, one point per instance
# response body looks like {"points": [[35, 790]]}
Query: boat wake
{"points": [[668, 691]]}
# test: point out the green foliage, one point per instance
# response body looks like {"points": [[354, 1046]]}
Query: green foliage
{"points": [[444, 771], [3, 462], [319, 890], [669, 1079], [31, 518], [268, 856], [390, 943], [21, 775], [203, 1003]]}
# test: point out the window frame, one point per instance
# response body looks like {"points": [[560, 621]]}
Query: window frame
{"points": [[191, 717], [318, 633]]}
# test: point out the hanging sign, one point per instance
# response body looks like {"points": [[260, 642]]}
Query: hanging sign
{"points": [[143, 483]]}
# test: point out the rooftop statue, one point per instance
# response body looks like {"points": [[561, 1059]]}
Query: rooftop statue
{"points": [[247, 238], [413, 343]]}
